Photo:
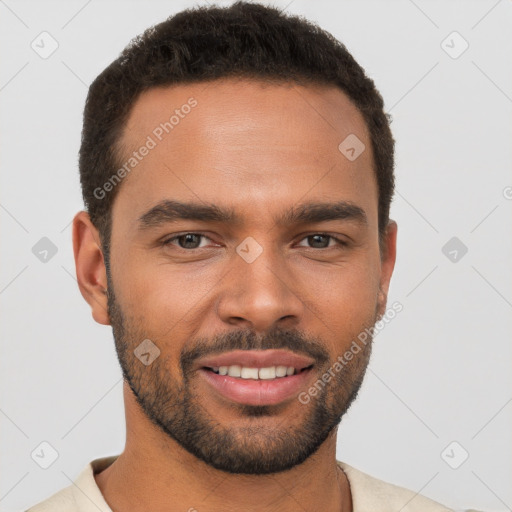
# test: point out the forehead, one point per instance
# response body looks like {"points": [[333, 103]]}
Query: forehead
{"points": [[254, 106], [232, 142]]}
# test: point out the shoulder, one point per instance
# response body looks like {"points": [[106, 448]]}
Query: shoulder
{"points": [[60, 501], [83, 495], [370, 493]]}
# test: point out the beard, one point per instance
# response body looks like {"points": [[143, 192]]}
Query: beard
{"points": [[171, 402]]}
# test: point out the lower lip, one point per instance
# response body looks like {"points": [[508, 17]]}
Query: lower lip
{"points": [[257, 392]]}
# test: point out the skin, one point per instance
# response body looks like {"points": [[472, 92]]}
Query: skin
{"points": [[260, 149]]}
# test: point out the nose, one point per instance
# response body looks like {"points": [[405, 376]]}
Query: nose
{"points": [[260, 295]]}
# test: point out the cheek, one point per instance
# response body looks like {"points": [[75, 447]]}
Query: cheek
{"points": [[351, 285], [163, 300], [345, 298]]}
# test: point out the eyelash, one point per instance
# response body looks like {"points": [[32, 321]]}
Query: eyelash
{"points": [[341, 243]]}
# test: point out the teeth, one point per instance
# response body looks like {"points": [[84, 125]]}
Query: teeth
{"points": [[249, 373], [234, 371], [268, 373], [281, 371]]}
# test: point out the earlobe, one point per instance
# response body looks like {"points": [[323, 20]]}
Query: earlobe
{"points": [[90, 267]]}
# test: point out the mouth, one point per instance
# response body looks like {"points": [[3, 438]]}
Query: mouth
{"points": [[256, 386]]}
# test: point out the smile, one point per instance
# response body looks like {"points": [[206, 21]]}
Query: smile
{"points": [[256, 386]]}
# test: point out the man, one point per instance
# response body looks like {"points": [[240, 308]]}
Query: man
{"points": [[237, 169]]}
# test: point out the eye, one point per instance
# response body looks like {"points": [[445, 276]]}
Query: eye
{"points": [[193, 241], [186, 240], [319, 240]]}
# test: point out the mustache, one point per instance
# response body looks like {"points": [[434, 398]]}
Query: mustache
{"points": [[293, 340]]}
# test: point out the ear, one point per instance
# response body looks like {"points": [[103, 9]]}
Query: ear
{"points": [[388, 258], [90, 266]]}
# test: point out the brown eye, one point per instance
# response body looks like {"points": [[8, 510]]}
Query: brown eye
{"points": [[319, 241], [186, 240], [322, 241]]}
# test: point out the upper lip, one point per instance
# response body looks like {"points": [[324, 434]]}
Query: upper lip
{"points": [[256, 359]]}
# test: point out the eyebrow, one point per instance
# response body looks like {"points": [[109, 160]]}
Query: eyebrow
{"points": [[305, 213]]}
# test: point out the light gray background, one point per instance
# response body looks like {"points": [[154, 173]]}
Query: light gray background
{"points": [[440, 371]]}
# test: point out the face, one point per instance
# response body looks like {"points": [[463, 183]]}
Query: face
{"points": [[278, 257]]}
